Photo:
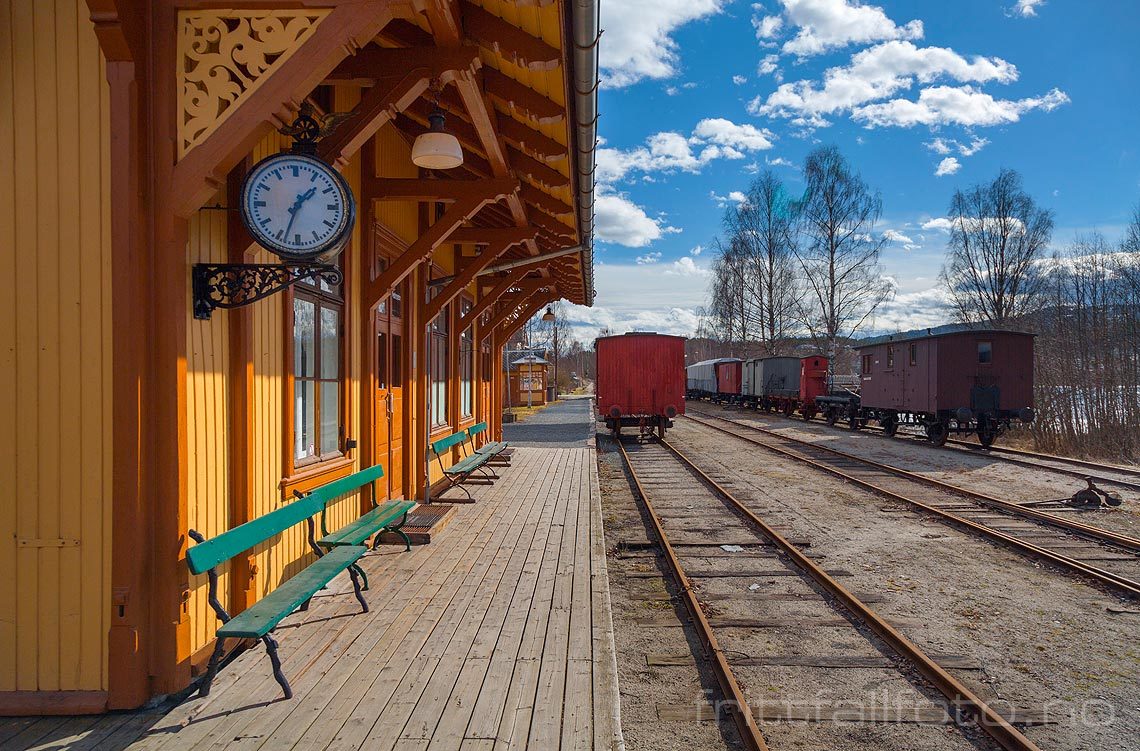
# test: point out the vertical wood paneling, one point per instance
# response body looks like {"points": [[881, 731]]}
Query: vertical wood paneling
{"points": [[207, 419], [394, 159], [55, 239]]}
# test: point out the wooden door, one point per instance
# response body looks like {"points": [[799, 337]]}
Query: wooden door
{"points": [[388, 410]]}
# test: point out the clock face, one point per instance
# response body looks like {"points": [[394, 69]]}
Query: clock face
{"points": [[297, 206]]}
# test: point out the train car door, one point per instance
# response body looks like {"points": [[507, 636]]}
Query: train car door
{"points": [[388, 409]]}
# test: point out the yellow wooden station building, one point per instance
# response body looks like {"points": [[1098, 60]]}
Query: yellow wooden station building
{"points": [[140, 404]]}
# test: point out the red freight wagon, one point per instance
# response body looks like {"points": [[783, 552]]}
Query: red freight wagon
{"points": [[957, 378], [728, 378], [641, 380], [813, 383]]}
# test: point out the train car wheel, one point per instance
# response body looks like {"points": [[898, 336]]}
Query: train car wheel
{"points": [[986, 436], [832, 417], [890, 427], [937, 433]]}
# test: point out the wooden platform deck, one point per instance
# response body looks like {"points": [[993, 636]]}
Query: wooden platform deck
{"points": [[495, 636]]}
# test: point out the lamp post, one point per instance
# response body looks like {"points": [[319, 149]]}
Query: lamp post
{"points": [[549, 316]]}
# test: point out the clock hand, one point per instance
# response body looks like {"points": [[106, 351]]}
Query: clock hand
{"points": [[297, 207]]}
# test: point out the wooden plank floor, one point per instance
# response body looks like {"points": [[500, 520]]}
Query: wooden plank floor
{"points": [[495, 636]]}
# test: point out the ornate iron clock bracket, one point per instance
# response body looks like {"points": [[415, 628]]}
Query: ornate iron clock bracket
{"points": [[232, 285]]}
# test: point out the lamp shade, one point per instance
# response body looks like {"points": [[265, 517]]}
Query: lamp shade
{"points": [[437, 149], [549, 314]]}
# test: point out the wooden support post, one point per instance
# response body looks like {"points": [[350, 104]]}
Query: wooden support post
{"points": [[241, 248], [130, 635]]}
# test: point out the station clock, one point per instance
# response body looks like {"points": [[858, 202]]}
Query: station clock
{"points": [[298, 207]]}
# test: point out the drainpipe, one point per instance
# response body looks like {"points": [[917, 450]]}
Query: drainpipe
{"points": [[586, 27]]}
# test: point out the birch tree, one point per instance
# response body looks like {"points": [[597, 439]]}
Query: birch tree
{"points": [[762, 228], [998, 235], [838, 250]]}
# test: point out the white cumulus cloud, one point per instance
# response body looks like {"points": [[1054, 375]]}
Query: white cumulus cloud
{"points": [[829, 24], [877, 73], [1026, 8], [769, 65], [938, 223], [897, 237], [767, 26], [955, 105], [734, 196], [727, 133], [712, 138], [652, 256], [638, 41], [686, 266], [947, 166], [620, 220]]}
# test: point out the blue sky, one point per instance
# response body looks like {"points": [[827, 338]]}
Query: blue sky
{"points": [[922, 97]]}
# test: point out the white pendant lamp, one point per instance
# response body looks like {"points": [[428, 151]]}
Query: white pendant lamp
{"points": [[437, 149]]}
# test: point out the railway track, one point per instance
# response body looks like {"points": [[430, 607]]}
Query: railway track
{"points": [[1111, 474], [673, 489], [1034, 533]]}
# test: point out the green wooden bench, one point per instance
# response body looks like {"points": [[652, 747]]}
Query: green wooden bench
{"points": [[460, 473], [336, 552], [498, 451], [384, 517]]}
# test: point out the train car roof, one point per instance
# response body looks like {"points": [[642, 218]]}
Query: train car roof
{"points": [[715, 361], [780, 357], [947, 330], [639, 333]]}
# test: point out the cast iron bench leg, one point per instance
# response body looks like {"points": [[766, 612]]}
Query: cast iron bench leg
{"points": [[363, 575], [356, 586], [271, 650], [212, 669], [398, 529]]}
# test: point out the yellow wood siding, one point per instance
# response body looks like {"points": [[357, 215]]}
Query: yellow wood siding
{"points": [[394, 159], [55, 532], [207, 413]]}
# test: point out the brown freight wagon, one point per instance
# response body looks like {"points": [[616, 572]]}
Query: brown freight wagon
{"points": [[641, 380], [951, 379]]}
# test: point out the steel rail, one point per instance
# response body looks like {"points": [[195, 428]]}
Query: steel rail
{"points": [[1000, 450], [960, 698], [1125, 542], [1106, 578], [741, 712], [995, 451]]}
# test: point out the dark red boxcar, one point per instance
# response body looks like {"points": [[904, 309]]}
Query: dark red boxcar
{"points": [[641, 375], [950, 379], [728, 376]]}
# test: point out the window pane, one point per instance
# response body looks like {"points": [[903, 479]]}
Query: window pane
{"points": [[330, 417], [382, 361], [330, 343], [397, 359], [304, 419], [439, 403], [985, 352], [304, 338]]}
